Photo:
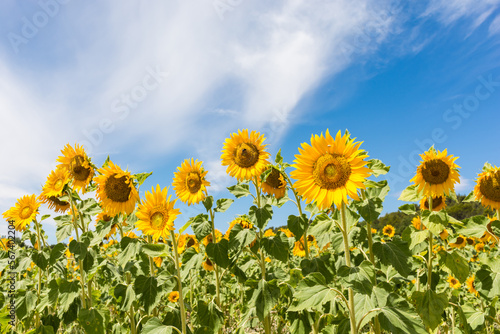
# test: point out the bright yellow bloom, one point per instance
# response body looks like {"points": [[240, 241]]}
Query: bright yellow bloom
{"points": [[374, 230], [208, 265], [189, 182], [77, 163], [244, 155], [470, 285], [417, 223], [459, 243], [389, 231], [287, 232], [243, 221], [444, 234], [479, 247], [330, 170], [438, 203], [454, 283], [275, 184], [437, 173], [487, 189], [53, 189], [157, 214], [299, 250], [269, 233], [158, 261], [186, 241], [23, 213], [173, 296]]}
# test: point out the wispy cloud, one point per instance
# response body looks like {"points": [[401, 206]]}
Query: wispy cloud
{"points": [[495, 26], [449, 11]]}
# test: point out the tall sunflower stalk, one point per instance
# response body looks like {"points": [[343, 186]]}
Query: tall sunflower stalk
{"points": [[179, 282]]}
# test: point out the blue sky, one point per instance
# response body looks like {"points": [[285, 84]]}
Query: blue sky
{"points": [[154, 83]]}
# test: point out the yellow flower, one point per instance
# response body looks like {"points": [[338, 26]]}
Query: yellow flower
{"points": [[209, 238], [417, 223], [208, 265], [156, 215], [299, 250], [330, 170], [186, 241], [190, 183], [437, 173], [470, 285], [454, 283], [459, 243], [5, 244], [77, 163], [244, 155], [444, 234], [173, 296], [287, 232], [470, 241], [269, 233], [479, 247], [267, 259], [130, 234], [487, 189], [388, 231], [243, 221], [115, 190], [275, 184], [438, 203], [374, 230], [53, 189], [158, 260], [23, 213]]}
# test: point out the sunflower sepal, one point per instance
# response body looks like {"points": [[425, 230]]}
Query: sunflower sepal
{"points": [[487, 167], [279, 158]]}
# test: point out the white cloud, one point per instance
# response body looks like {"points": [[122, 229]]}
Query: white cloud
{"points": [[495, 26], [465, 186], [449, 11]]}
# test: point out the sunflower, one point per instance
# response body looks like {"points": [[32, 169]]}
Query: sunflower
{"points": [[209, 238], [189, 182], [244, 155], [78, 164], [269, 233], [186, 241], [53, 189], [115, 190], [417, 223], [444, 234], [454, 283], [208, 265], [6, 244], [470, 285], [298, 249], [158, 261], [156, 215], [437, 173], [287, 232], [470, 241], [173, 296], [329, 170], [243, 221], [275, 184], [374, 230], [459, 243], [479, 247], [487, 189], [23, 213], [438, 203], [388, 231]]}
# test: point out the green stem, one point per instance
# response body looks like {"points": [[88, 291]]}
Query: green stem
{"points": [[152, 270], [429, 262], [299, 206], [39, 272], [179, 282], [350, 293], [131, 313], [216, 267]]}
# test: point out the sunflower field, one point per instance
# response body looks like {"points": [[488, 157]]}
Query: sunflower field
{"points": [[120, 265]]}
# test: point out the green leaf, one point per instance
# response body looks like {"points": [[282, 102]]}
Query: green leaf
{"points": [[201, 226], [261, 216], [125, 296], [25, 304], [323, 264], [417, 237], [265, 298], [78, 248], [395, 253], [321, 228], [376, 189], [488, 281], [146, 287], [277, 246], [474, 226], [129, 253], [455, 263], [409, 209], [218, 253], [155, 326], [68, 292], [208, 315], [239, 190], [351, 216], [359, 278], [401, 321], [362, 305], [312, 292], [378, 168], [435, 221], [410, 194], [474, 317], [154, 250], [279, 158], [430, 306], [92, 321], [41, 259], [297, 225], [63, 230], [469, 198], [223, 204], [370, 208], [141, 177], [208, 202], [240, 237], [312, 208]]}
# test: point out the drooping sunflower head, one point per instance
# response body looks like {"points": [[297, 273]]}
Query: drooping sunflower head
{"points": [[487, 189], [23, 213], [244, 155], [186, 241], [388, 230], [438, 203], [156, 214], [209, 238], [189, 182], [461, 242], [173, 296], [298, 248], [470, 285], [454, 283], [275, 184], [330, 170], [77, 163], [437, 173], [116, 190], [208, 265]]}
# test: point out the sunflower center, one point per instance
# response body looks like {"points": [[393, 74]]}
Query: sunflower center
{"points": [[190, 243], [117, 189], [274, 180], [157, 220], [26, 212], [435, 171], [208, 262], [436, 201], [246, 155], [193, 182], [490, 187], [331, 171], [78, 170]]}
